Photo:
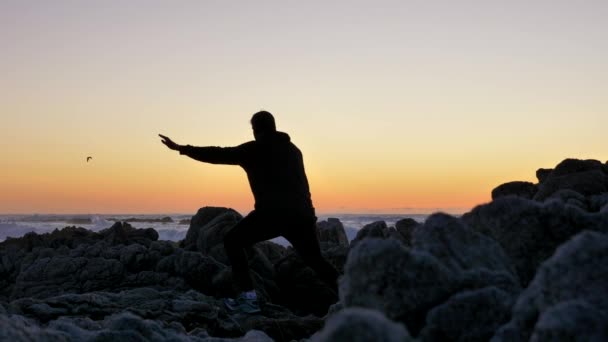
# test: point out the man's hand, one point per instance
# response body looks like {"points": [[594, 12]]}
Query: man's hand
{"points": [[169, 143]]}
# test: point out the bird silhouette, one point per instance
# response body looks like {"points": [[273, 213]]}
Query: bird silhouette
{"points": [[89, 158]]}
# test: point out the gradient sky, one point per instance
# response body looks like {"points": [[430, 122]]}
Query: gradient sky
{"points": [[398, 106]]}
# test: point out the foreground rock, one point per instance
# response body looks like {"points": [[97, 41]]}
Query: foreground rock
{"points": [[567, 298], [120, 327]]}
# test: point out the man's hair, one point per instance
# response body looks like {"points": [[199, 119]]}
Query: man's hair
{"points": [[263, 121]]}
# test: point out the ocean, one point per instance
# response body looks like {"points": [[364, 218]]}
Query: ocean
{"points": [[172, 227]]}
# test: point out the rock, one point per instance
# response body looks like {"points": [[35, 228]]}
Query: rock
{"points": [[402, 283], [468, 316], [361, 325], [405, 227], [569, 287], [199, 222], [571, 166], [588, 177], [542, 174], [459, 247], [120, 327], [520, 189], [376, 229], [528, 231], [331, 233], [569, 197]]}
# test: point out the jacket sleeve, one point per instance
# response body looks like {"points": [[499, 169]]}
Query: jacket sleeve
{"points": [[215, 155]]}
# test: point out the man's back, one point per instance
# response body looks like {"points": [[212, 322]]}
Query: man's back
{"points": [[276, 174]]}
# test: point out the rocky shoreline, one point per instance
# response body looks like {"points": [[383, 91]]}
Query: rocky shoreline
{"points": [[529, 265]]}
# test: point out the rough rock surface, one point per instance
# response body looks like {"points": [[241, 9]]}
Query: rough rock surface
{"points": [[529, 231], [569, 288], [361, 325]]}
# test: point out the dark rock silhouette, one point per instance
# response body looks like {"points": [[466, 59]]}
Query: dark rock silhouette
{"points": [[521, 189]]}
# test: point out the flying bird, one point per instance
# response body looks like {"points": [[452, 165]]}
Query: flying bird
{"points": [[89, 158]]}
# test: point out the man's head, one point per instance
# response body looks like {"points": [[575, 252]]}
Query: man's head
{"points": [[262, 124]]}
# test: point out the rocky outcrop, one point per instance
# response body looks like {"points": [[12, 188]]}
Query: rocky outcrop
{"points": [[529, 231], [566, 300], [520, 189], [529, 265]]}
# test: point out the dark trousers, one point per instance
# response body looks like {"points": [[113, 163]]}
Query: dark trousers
{"points": [[300, 231]]}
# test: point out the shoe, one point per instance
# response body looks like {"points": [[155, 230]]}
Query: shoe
{"points": [[242, 304]]}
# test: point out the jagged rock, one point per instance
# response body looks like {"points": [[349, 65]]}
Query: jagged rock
{"points": [[124, 233], [529, 231], [331, 233], [361, 325], [569, 287], [200, 224], [517, 188], [402, 283], [468, 316], [377, 229], [405, 227], [588, 177]]}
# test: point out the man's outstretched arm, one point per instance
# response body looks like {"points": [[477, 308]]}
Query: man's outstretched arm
{"points": [[207, 154]]}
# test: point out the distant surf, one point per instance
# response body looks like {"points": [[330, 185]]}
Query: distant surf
{"points": [[172, 227]]}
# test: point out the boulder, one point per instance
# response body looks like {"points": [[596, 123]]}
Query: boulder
{"points": [[405, 227], [459, 247], [569, 287], [199, 225], [542, 174], [517, 188], [331, 233], [588, 177], [404, 284], [529, 231], [377, 229], [361, 325], [468, 316]]}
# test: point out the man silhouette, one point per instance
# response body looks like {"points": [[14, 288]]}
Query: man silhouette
{"points": [[283, 205]]}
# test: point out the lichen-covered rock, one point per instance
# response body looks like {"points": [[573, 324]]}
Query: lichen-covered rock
{"points": [[516, 188], [384, 275], [361, 325], [569, 287], [529, 231], [468, 316], [459, 247]]}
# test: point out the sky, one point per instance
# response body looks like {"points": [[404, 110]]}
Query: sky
{"points": [[397, 106]]}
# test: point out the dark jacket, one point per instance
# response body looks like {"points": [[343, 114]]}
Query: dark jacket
{"points": [[275, 170]]}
